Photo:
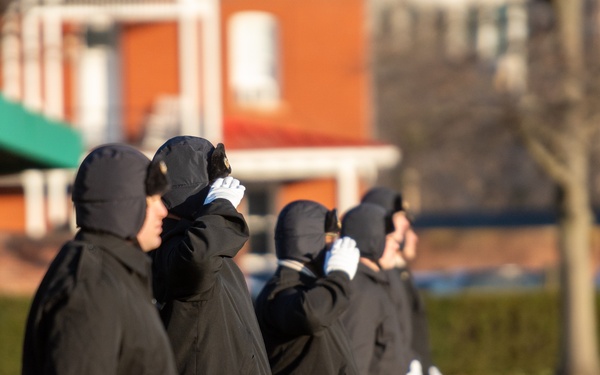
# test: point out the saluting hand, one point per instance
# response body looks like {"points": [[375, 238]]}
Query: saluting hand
{"points": [[227, 188], [343, 256]]}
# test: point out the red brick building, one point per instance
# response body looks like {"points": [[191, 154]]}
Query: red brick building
{"points": [[284, 85]]}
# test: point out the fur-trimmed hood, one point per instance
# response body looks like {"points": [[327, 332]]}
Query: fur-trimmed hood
{"points": [[301, 228], [110, 189], [385, 197], [367, 224], [193, 164]]}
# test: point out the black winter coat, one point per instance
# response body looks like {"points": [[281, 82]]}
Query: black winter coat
{"points": [[418, 319], [207, 309], [372, 325], [300, 317], [94, 314], [403, 303]]}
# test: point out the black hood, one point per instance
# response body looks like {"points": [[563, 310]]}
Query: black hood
{"points": [[367, 224], [109, 192], [387, 198], [300, 231], [193, 164]]}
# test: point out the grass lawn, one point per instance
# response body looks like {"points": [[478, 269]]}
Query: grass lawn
{"points": [[13, 313]]}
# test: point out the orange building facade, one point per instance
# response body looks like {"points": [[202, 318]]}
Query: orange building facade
{"points": [[284, 85]]}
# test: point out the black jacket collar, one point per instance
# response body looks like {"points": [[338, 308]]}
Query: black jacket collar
{"points": [[126, 252], [378, 277]]}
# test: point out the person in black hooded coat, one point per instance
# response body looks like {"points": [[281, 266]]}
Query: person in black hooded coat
{"points": [[93, 312], [299, 308], [371, 319], [411, 306], [206, 304]]}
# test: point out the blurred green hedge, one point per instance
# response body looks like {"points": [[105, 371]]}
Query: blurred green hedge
{"points": [[472, 333], [495, 333]]}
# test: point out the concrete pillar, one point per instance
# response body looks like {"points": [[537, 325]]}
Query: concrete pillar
{"points": [[97, 94], [512, 69], [401, 23], [487, 32], [347, 185], [58, 204], [456, 37], [35, 218], [53, 69], [517, 35], [427, 31], [32, 85], [213, 107], [189, 70], [517, 30], [11, 55]]}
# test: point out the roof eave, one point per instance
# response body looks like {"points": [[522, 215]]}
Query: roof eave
{"points": [[311, 162]]}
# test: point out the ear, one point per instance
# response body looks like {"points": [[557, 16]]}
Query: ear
{"points": [[398, 203], [157, 179], [218, 165], [332, 224], [389, 224]]}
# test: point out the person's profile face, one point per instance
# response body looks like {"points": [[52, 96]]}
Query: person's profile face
{"points": [[330, 238], [149, 235], [401, 223], [410, 249], [388, 258]]}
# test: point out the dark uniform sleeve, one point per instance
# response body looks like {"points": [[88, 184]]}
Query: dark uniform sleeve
{"points": [[307, 310], [193, 259]]}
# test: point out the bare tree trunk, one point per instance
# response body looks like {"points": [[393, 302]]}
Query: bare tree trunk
{"points": [[570, 23], [565, 158], [579, 347], [579, 354]]}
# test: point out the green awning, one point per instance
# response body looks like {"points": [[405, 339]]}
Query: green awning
{"points": [[30, 140]]}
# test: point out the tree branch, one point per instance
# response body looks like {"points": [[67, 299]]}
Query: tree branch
{"points": [[547, 159]]}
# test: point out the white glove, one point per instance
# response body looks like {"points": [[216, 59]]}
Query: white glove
{"points": [[343, 256], [227, 188], [415, 368], [434, 371]]}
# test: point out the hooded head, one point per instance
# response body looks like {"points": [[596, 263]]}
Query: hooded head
{"points": [[110, 189], [367, 224], [387, 198], [193, 163], [301, 229]]}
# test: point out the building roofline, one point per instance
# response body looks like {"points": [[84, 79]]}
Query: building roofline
{"points": [[311, 162]]}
